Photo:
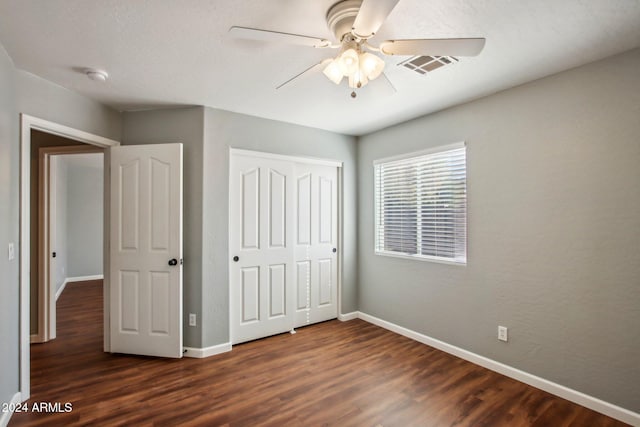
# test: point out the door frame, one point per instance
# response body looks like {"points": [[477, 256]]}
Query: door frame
{"points": [[339, 165], [46, 219], [28, 123]]}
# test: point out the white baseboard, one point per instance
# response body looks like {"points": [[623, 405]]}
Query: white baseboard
{"points": [[575, 396], [59, 291], [6, 416], [77, 279], [84, 278], [348, 316], [200, 353]]}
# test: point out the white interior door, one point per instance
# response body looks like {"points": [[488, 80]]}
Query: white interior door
{"points": [[316, 243], [146, 250], [261, 233]]}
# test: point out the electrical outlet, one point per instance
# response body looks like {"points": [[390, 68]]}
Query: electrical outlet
{"points": [[12, 252], [192, 319], [502, 333]]}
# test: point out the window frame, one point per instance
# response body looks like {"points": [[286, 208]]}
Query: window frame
{"points": [[418, 256]]}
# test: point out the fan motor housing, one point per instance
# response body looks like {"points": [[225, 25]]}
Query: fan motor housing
{"points": [[341, 16]]}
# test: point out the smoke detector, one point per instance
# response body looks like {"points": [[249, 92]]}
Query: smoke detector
{"points": [[96, 75]]}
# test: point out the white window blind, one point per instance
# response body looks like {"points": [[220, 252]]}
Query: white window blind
{"points": [[421, 205]]}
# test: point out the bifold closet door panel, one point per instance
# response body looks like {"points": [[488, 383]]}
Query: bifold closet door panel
{"points": [[260, 242], [316, 243]]}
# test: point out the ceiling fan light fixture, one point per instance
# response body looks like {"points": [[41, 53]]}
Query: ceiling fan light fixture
{"points": [[359, 67], [357, 80], [333, 72], [349, 62], [371, 65]]}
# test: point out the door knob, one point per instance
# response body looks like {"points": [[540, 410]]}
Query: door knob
{"points": [[173, 261], [236, 258], [334, 250]]}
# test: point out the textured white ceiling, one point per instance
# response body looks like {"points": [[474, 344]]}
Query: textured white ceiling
{"points": [[167, 52]]}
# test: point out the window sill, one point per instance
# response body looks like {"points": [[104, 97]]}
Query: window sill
{"points": [[438, 260]]}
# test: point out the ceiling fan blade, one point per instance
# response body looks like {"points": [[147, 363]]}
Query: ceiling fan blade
{"points": [[433, 47], [278, 37], [391, 87], [371, 15], [313, 67]]}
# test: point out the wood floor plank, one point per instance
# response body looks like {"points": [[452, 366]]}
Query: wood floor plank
{"points": [[334, 374]]}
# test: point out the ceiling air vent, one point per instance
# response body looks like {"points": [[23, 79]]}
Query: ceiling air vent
{"points": [[426, 64]]}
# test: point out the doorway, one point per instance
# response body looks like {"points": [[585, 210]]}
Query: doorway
{"points": [[67, 201], [76, 218], [27, 124], [70, 241]]}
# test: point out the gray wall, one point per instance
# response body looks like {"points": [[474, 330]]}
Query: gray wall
{"points": [[25, 93], [60, 246], [185, 125], [45, 100], [224, 130], [85, 208], [553, 231], [207, 135], [9, 226]]}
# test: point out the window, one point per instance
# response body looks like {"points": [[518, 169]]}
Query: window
{"points": [[421, 205]]}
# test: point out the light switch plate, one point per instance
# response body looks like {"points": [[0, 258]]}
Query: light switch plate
{"points": [[502, 333]]}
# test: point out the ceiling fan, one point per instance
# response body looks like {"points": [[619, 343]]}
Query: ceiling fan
{"points": [[353, 23]]}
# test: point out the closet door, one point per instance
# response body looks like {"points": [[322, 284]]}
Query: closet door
{"points": [[260, 243], [316, 243]]}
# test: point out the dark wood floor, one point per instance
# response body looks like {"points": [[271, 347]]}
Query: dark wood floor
{"points": [[334, 373]]}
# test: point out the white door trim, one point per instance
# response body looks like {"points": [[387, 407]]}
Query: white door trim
{"points": [[46, 239], [27, 123], [340, 260], [265, 155]]}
